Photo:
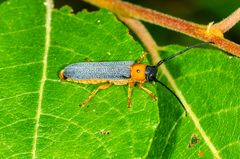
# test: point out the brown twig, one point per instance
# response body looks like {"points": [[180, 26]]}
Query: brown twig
{"points": [[202, 32], [227, 23]]}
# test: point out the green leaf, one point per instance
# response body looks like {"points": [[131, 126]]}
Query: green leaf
{"points": [[40, 116], [208, 81]]}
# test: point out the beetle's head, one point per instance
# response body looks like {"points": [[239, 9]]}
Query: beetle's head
{"points": [[151, 73]]}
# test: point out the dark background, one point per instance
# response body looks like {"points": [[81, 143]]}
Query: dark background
{"points": [[198, 11]]}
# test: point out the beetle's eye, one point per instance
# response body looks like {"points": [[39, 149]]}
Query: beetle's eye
{"points": [[151, 76], [138, 71]]}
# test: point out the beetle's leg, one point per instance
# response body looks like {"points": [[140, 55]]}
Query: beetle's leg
{"points": [[130, 85], [142, 57], [148, 91], [129, 95], [104, 86]]}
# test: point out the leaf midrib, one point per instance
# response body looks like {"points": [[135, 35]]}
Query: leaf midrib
{"points": [[49, 7]]}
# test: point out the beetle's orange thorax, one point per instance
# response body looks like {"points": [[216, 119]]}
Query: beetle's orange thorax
{"points": [[138, 73]]}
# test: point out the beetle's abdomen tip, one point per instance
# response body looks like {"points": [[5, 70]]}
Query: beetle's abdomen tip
{"points": [[61, 75]]}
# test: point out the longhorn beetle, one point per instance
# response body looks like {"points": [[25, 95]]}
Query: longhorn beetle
{"points": [[117, 73]]}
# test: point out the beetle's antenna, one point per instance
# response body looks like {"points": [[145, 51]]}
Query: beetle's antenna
{"points": [[172, 56], [180, 52], [156, 80]]}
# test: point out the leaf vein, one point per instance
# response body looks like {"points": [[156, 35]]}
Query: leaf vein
{"points": [[229, 144], [20, 65], [16, 122], [18, 95], [236, 108], [170, 133], [23, 30]]}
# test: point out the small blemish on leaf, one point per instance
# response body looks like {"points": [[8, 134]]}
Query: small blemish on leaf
{"points": [[200, 154], [105, 132], [193, 141], [98, 21]]}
